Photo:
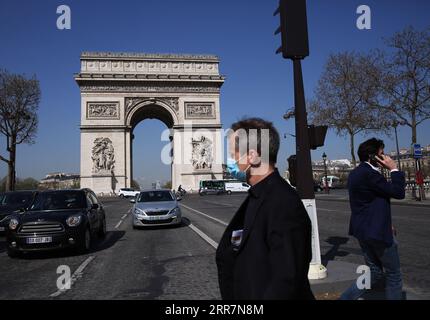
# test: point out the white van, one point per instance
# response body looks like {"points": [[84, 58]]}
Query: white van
{"points": [[236, 186], [333, 181]]}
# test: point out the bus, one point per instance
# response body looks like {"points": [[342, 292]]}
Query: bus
{"points": [[222, 186], [211, 187]]}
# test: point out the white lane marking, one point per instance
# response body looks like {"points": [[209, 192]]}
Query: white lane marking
{"points": [[121, 220], [203, 235], [76, 275], [219, 203], [205, 215], [331, 210]]}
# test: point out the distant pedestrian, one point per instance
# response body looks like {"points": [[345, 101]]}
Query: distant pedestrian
{"points": [[369, 195], [265, 251]]}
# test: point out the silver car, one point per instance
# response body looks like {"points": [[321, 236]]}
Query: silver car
{"points": [[156, 208]]}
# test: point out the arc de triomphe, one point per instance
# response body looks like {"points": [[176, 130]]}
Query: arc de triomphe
{"points": [[118, 90]]}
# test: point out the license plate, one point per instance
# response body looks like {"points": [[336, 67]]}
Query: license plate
{"points": [[152, 218], [39, 240]]}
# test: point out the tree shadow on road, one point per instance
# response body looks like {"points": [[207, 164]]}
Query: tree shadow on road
{"points": [[334, 251], [2, 244]]}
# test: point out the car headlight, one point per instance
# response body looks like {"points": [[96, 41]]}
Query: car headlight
{"points": [[73, 221], [13, 224], [139, 212], [175, 211]]}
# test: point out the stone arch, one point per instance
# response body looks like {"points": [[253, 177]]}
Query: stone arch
{"points": [[119, 90], [151, 108]]}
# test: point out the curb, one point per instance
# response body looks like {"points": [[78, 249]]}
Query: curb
{"points": [[340, 275], [406, 204]]}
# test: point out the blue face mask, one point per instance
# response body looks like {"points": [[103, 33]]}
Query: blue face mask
{"points": [[234, 170]]}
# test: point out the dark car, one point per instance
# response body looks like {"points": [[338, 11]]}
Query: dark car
{"points": [[56, 220], [317, 187], [11, 202]]}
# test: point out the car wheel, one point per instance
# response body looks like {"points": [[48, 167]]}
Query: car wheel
{"points": [[85, 244], [102, 229], [14, 254], [229, 192], [121, 196]]}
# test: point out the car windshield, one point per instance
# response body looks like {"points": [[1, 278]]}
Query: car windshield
{"points": [[16, 199], [153, 196], [59, 201]]}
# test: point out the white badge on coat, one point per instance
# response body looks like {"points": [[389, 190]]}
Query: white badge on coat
{"points": [[236, 237]]}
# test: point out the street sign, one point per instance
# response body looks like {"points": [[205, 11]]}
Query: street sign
{"points": [[417, 151]]}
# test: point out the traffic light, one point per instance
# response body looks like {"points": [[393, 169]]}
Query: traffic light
{"points": [[292, 167], [316, 136], [293, 29]]}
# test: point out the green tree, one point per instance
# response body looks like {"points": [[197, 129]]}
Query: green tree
{"points": [[27, 184], [135, 185], [167, 185]]}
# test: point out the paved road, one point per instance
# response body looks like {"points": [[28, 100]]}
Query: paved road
{"points": [[179, 263]]}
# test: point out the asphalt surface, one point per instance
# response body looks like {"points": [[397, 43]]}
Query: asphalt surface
{"points": [[179, 262]]}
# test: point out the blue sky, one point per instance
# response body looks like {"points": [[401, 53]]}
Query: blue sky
{"points": [[240, 32]]}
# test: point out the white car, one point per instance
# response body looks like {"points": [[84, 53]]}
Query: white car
{"points": [[236, 186], [128, 192]]}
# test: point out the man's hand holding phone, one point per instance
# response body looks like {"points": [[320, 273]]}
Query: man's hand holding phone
{"points": [[386, 162]]}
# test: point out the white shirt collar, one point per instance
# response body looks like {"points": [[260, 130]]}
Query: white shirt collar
{"points": [[373, 167]]}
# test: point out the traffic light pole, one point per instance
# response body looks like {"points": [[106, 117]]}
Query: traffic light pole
{"points": [[304, 178], [305, 181]]}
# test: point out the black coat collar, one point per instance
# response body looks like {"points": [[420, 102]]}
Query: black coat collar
{"points": [[258, 191]]}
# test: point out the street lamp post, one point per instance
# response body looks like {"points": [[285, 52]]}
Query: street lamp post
{"points": [[326, 189]]}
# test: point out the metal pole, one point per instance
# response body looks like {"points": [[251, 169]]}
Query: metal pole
{"points": [[416, 186], [327, 190], [304, 167], [304, 179], [397, 145]]}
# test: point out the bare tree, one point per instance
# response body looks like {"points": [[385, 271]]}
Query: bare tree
{"points": [[405, 82], [19, 103], [344, 96]]}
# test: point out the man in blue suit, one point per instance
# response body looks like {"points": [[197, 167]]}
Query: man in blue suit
{"points": [[369, 196]]}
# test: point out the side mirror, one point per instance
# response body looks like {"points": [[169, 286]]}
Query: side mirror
{"points": [[133, 200], [95, 206]]}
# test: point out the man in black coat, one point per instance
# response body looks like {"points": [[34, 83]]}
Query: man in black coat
{"points": [[266, 249]]}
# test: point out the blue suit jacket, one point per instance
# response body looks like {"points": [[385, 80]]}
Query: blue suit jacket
{"points": [[369, 196]]}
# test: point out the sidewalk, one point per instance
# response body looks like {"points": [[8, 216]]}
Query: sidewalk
{"points": [[342, 196], [341, 275]]}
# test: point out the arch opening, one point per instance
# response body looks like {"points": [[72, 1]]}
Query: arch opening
{"points": [[147, 123]]}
